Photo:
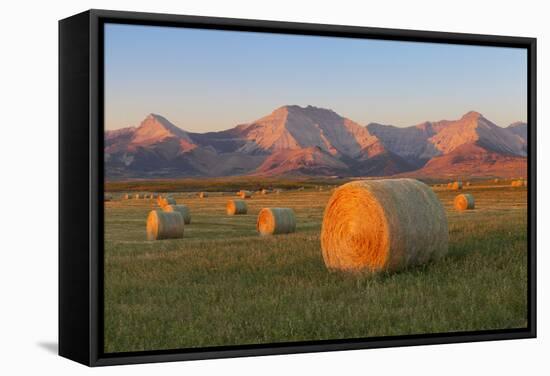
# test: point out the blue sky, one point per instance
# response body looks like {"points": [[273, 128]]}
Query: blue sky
{"points": [[205, 80]]}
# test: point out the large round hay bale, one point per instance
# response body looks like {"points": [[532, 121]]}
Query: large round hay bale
{"points": [[164, 201], [449, 185], [182, 209], [457, 185], [164, 225], [276, 221], [235, 207], [244, 194], [464, 201], [127, 196], [203, 194], [264, 191], [383, 225]]}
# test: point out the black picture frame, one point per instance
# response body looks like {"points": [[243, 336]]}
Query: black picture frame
{"points": [[81, 176]]}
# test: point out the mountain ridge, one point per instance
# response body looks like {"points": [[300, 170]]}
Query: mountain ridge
{"points": [[294, 140]]}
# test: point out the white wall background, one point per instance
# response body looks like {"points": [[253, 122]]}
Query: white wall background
{"points": [[28, 160]]}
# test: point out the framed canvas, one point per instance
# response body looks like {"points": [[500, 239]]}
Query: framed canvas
{"points": [[234, 187]]}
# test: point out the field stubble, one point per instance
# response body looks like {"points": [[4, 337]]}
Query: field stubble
{"points": [[225, 285]]}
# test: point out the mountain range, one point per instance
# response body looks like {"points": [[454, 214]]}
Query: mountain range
{"points": [[312, 141]]}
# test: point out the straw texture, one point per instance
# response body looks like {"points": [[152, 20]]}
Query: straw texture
{"points": [[457, 185], [464, 201], [182, 209], [273, 221], [164, 225], [164, 201], [244, 194], [235, 207], [383, 225]]}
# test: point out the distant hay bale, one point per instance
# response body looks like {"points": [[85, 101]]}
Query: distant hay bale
{"points": [[449, 185], [525, 183], [464, 201], [264, 191], [137, 196], [182, 209], [517, 183], [276, 221], [457, 185], [383, 225], [164, 225], [127, 196], [164, 201], [235, 207], [468, 184], [278, 191], [244, 194], [203, 194], [496, 180]]}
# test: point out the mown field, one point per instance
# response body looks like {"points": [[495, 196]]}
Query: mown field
{"points": [[225, 285]]}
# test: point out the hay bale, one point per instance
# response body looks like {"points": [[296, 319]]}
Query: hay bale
{"points": [[276, 221], [203, 194], [127, 196], [164, 225], [264, 191], [383, 225], [164, 201], [235, 207], [244, 194], [468, 184], [496, 180], [449, 185], [517, 183], [182, 209], [464, 201], [457, 185]]}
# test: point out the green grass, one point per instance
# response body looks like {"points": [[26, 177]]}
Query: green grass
{"points": [[224, 285]]}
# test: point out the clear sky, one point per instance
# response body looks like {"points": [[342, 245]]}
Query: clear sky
{"points": [[206, 80]]}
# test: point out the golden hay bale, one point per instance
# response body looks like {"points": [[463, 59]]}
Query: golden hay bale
{"points": [[517, 183], [468, 184], [127, 196], [163, 201], [379, 225], [235, 207], [264, 191], [164, 225], [276, 221], [244, 194], [457, 185], [496, 180], [203, 194], [182, 209], [525, 183], [464, 201], [449, 185]]}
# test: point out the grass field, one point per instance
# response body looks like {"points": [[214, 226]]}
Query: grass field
{"points": [[225, 285]]}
